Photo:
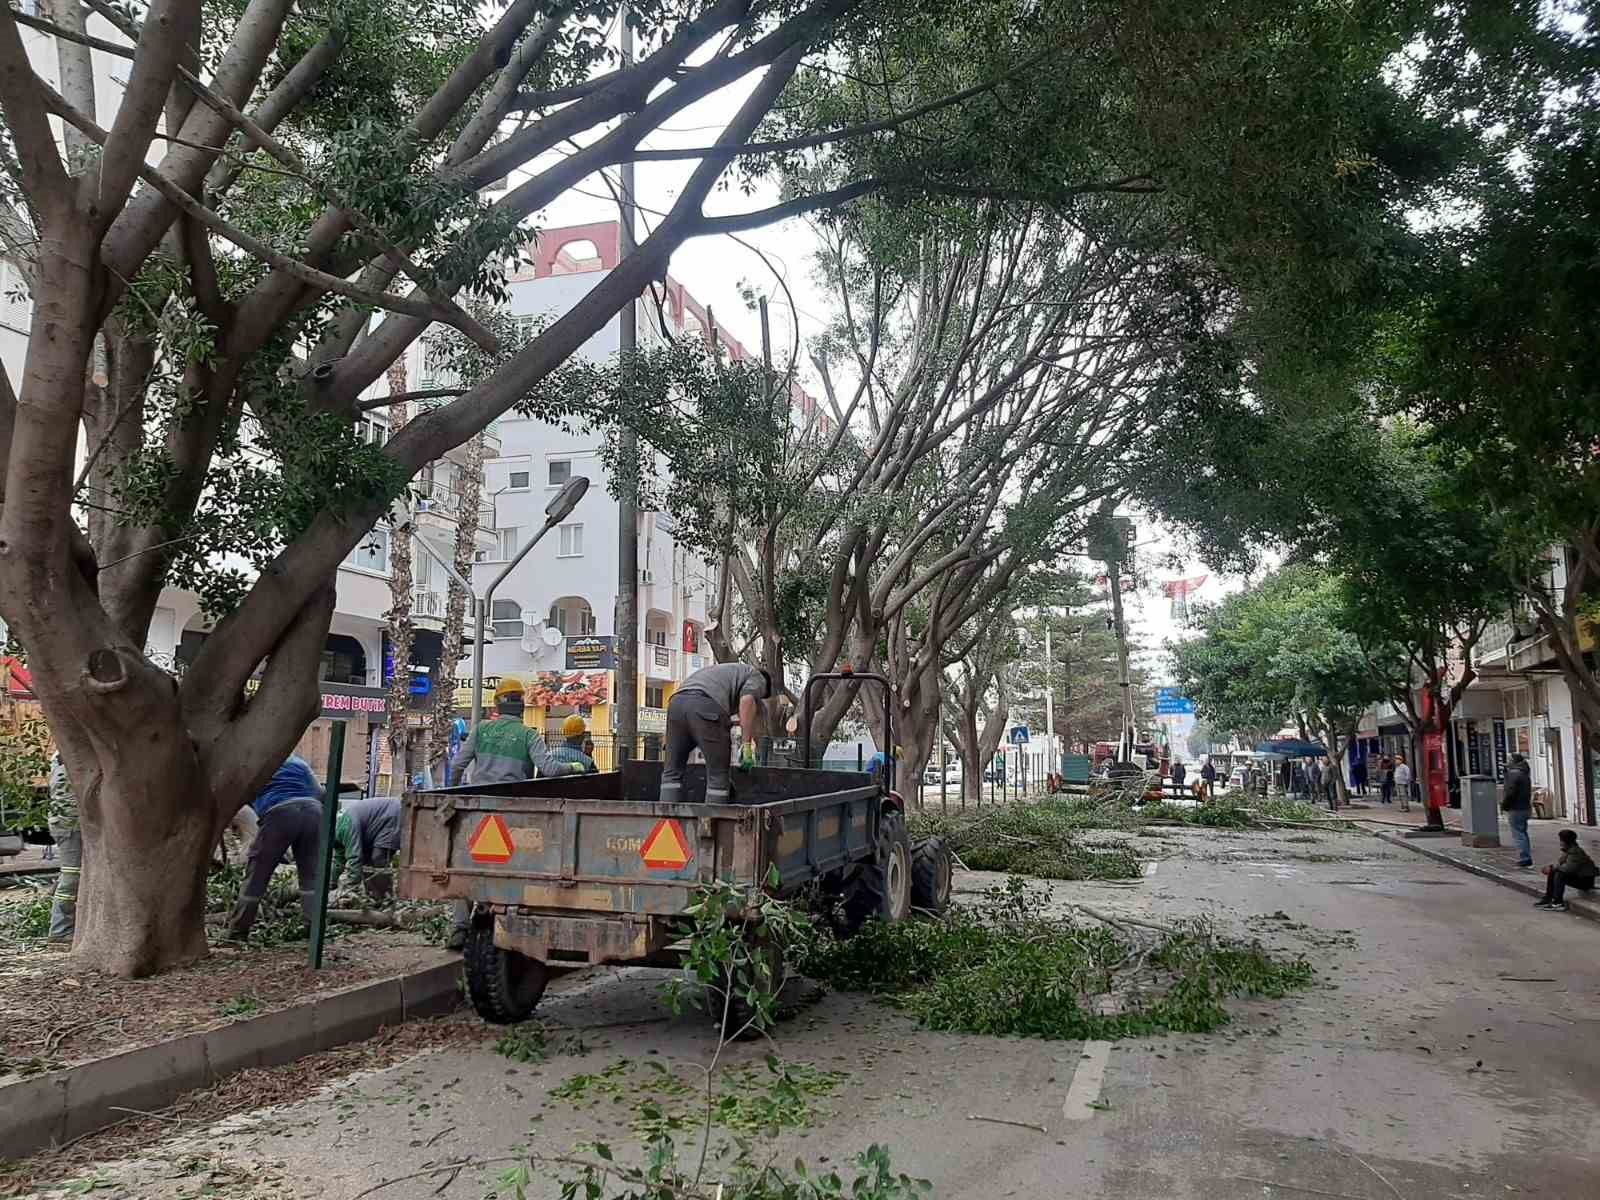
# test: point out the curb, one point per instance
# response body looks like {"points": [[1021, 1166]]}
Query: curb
{"points": [[39, 1111], [1579, 908]]}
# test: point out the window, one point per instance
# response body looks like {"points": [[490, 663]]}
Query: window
{"points": [[510, 541], [655, 695], [571, 541], [572, 616], [518, 481], [560, 471], [373, 431], [506, 617], [371, 553], [656, 637]]}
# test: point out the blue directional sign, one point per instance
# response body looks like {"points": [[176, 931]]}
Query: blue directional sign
{"points": [[1172, 703]]}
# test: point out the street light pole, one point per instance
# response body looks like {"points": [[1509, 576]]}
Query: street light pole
{"points": [[558, 510]]}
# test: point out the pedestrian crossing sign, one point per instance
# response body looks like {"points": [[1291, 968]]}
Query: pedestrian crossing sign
{"points": [[666, 849], [491, 841]]}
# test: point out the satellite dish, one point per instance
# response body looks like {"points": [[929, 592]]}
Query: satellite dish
{"points": [[552, 636]]}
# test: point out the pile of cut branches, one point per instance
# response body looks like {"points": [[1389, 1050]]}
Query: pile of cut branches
{"points": [[1009, 967]]}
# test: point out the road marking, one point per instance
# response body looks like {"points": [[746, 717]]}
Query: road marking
{"points": [[1150, 868], [1086, 1081]]}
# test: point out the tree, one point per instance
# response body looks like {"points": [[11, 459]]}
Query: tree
{"points": [[1285, 650], [233, 367], [155, 239]]}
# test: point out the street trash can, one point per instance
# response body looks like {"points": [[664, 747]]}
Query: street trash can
{"points": [[1480, 811]]}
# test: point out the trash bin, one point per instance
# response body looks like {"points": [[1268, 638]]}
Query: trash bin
{"points": [[1480, 811]]}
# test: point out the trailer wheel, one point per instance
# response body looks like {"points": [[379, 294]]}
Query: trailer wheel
{"points": [[880, 889], [505, 986], [931, 869]]}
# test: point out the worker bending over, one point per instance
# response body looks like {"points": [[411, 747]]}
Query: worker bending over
{"points": [[366, 837], [700, 714]]}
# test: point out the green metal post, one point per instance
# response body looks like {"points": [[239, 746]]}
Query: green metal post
{"points": [[330, 813]]}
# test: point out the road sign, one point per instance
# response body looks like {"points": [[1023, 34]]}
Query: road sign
{"points": [[666, 849], [1019, 735], [491, 841], [1172, 703]]}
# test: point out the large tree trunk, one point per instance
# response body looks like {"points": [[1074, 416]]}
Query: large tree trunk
{"points": [[149, 826]]}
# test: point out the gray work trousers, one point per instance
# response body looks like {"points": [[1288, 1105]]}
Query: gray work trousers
{"points": [[695, 719], [294, 825], [64, 906]]}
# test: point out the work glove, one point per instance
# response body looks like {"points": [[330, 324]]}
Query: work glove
{"points": [[747, 756]]}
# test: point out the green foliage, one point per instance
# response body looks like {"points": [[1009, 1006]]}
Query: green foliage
{"points": [[25, 920], [24, 762], [1290, 647], [245, 1004], [1009, 968], [736, 943], [525, 1043], [1041, 840]]}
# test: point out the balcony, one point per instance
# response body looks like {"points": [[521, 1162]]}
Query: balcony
{"points": [[438, 507]]}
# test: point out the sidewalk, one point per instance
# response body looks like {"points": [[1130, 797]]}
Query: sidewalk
{"points": [[1498, 863]]}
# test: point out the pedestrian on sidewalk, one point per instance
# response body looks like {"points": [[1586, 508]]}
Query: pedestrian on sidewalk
{"points": [[1574, 869], [1400, 781], [1358, 775], [62, 818], [1518, 805], [1386, 779], [290, 811], [1208, 779]]}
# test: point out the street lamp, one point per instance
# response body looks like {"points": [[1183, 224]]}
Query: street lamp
{"points": [[558, 510]]}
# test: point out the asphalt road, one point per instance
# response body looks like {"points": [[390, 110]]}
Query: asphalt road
{"points": [[1450, 1051]]}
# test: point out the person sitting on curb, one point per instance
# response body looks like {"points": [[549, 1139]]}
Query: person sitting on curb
{"points": [[1574, 868]]}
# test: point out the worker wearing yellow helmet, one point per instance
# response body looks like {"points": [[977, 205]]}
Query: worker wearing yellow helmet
{"points": [[503, 749], [574, 732]]}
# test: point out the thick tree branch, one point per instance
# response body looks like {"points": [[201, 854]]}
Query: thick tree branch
{"points": [[23, 103]]}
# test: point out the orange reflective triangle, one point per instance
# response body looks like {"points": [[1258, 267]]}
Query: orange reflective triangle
{"points": [[666, 849], [491, 841]]}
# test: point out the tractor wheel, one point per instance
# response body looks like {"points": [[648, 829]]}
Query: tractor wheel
{"points": [[931, 869], [881, 889], [505, 986]]}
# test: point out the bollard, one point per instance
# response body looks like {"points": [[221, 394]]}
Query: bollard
{"points": [[330, 813]]}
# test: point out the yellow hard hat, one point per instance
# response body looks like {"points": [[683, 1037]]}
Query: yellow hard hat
{"points": [[510, 685], [573, 726]]}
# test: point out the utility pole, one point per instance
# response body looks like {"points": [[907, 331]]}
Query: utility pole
{"points": [[1049, 704], [625, 704], [1125, 743]]}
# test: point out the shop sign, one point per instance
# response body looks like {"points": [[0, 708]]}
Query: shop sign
{"points": [[592, 652], [341, 701], [1499, 750]]}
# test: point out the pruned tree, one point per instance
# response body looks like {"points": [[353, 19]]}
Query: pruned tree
{"points": [[283, 199]]}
